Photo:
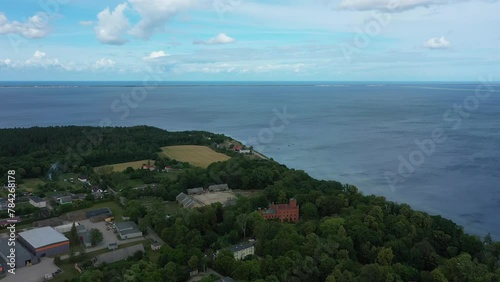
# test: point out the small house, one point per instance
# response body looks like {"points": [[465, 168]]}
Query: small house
{"points": [[37, 202]]}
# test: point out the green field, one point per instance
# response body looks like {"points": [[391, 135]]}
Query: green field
{"points": [[201, 156], [31, 184]]}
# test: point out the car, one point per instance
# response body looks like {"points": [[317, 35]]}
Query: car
{"points": [[58, 271]]}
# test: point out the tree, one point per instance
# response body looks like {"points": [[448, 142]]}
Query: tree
{"points": [[74, 239], [385, 256], [225, 262], [193, 262], [309, 211], [91, 276], [242, 221], [96, 236]]}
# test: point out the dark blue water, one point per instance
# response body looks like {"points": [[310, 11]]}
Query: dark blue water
{"points": [[356, 133]]}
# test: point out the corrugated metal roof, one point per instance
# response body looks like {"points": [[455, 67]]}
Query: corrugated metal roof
{"points": [[119, 254], [40, 237]]}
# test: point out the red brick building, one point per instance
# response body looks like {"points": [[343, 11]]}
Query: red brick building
{"points": [[284, 212]]}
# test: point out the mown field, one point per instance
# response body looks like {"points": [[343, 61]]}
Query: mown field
{"points": [[196, 155], [123, 166]]}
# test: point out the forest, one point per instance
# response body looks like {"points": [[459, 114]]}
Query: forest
{"points": [[342, 234]]}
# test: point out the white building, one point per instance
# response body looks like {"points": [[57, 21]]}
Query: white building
{"points": [[38, 202]]}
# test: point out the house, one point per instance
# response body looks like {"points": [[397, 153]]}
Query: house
{"points": [[83, 178], [237, 148], [195, 191], [240, 251], [218, 188], [64, 200], [96, 192], [79, 196], [148, 167], [168, 168], [4, 204], [117, 255], [245, 152], [283, 212], [155, 246], [127, 230], [37, 202]]}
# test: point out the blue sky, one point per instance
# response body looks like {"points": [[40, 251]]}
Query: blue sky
{"points": [[317, 40]]}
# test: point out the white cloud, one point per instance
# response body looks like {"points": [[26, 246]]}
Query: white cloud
{"points": [[6, 62], [112, 25], [221, 38], [39, 54], [86, 23], [437, 43], [104, 63], [156, 54], [391, 5], [155, 13], [35, 27]]}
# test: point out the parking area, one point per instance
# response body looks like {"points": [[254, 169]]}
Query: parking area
{"points": [[33, 273], [108, 235]]}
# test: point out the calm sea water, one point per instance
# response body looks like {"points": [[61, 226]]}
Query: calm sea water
{"points": [[355, 133]]}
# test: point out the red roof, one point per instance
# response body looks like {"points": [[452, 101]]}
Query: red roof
{"points": [[237, 148]]}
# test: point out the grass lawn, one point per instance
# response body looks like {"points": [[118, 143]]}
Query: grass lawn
{"points": [[135, 165], [171, 207], [30, 184], [201, 156]]}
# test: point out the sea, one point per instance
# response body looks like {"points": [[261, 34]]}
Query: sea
{"points": [[435, 146]]}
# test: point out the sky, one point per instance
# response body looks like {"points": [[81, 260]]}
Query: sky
{"points": [[247, 40]]}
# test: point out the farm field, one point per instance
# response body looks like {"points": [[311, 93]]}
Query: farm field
{"points": [[201, 156], [123, 166]]}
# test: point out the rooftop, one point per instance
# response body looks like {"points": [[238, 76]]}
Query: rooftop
{"points": [[36, 199], [120, 254], [40, 237], [239, 247], [124, 225]]}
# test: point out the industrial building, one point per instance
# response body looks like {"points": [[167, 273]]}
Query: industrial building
{"points": [[22, 256], [45, 241], [127, 230]]}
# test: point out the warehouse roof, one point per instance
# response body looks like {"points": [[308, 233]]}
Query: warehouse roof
{"points": [[40, 237]]}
